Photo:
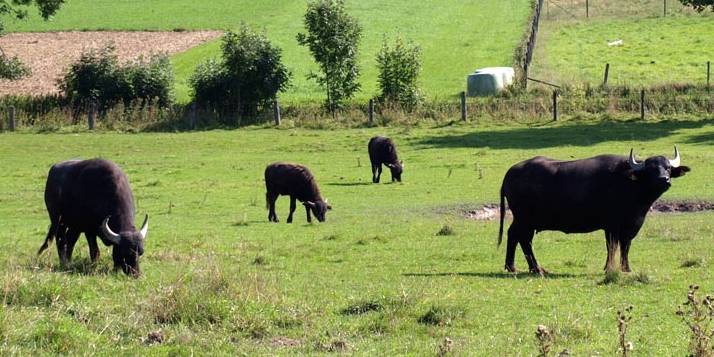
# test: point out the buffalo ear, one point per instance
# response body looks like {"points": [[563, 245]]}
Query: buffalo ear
{"points": [[679, 171]]}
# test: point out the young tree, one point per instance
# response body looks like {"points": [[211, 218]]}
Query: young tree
{"points": [[699, 5], [13, 68], [333, 37], [399, 66]]}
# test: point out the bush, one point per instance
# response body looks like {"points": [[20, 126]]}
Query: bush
{"points": [[97, 77], [399, 68], [246, 79]]}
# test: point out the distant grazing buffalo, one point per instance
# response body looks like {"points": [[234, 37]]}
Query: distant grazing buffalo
{"points": [[606, 192], [383, 151], [94, 197], [297, 182]]}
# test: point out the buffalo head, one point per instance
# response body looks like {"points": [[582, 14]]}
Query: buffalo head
{"points": [[396, 170], [128, 246], [657, 171], [318, 208]]}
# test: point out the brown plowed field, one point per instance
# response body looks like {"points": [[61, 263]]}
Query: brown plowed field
{"points": [[48, 54]]}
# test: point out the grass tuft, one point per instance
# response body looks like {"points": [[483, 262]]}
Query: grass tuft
{"points": [[693, 262], [611, 277], [446, 230], [362, 307], [440, 316]]}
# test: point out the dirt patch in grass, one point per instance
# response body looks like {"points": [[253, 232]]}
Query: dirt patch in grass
{"points": [[490, 211], [48, 54]]}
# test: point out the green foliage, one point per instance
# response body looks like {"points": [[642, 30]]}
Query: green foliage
{"points": [[399, 67], [98, 77], [12, 68], [333, 37], [246, 79], [699, 5]]}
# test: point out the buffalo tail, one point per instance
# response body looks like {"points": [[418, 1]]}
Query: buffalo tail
{"points": [[503, 214]]}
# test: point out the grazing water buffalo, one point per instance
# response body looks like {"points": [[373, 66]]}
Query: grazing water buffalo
{"points": [[94, 197], [606, 192], [383, 151], [297, 182]]}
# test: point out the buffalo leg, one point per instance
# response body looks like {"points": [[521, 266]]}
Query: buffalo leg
{"points": [[527, 247], [270, 198], [624, 250], [93, 248], [61, 239], [612, 244], [375, 179], [379, 172], [309, 217], [292, 209], [515, 231], [71, 239]]}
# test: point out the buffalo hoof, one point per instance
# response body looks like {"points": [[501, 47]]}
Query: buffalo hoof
{"points": [[511, 269], [540, 271]]}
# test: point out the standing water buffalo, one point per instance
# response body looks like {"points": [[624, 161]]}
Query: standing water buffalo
{"points": [[606, 192], [383, 151], [94, 197], [297, 182]]}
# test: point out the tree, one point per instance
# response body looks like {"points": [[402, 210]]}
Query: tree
{"points": [[13, 68], [399, 66], [699, 5], [333, 37], [247, 78]]}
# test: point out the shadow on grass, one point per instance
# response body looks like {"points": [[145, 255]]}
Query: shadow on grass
{"points": [[363, 183], [579, 134], [499, 275]]}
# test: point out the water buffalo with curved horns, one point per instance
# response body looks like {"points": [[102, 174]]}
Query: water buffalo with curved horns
{"points": [[607, 192], [93, 197], [382, 150]]}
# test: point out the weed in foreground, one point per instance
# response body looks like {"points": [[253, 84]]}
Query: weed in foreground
{"points": [[698, 315], [446, 230], [440, 316], [544, 340], [623, 319]]}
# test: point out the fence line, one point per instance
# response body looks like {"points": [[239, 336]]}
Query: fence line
{"points": [[530, 45]]}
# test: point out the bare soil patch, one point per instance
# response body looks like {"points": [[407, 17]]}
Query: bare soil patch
{"points": [[48, 54], [490, 211]]}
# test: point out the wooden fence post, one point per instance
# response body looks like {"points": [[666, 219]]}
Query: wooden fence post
{"points": [[370, 111], [463, 105], [709, 66], [192, 116], [276, 112], [11, 118], [607, 74], [587, 9], [642, 104], [665, 8], [555, 105], [91, 116]]}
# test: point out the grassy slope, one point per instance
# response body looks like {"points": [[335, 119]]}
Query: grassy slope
{"points": [[457, 36], [656, 50], [204, 193]]}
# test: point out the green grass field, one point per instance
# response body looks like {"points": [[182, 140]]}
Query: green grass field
{"points": [[456, 36], [219, 279], [657, 50]]}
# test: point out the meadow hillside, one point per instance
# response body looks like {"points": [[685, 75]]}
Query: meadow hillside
{"points": [[456, 36], [656, 50], [375, 279]]}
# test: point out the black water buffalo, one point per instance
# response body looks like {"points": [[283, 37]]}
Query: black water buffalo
{"points": [[94, 197], [606, 192], [297, 182], [383, 151]]}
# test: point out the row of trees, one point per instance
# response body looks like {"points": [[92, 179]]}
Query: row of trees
{"points": [[250, 73]]}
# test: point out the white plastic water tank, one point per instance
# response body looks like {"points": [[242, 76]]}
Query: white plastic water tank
{"points": [[489, 81]]}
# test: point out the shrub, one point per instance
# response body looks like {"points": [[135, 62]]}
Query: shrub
{"points": [[247, 78], [98, 77], [399, 66]]}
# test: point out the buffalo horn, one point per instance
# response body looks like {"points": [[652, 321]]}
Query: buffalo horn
{"points": [[633, 163], [144, 227], [676, 161], [108, 233]]}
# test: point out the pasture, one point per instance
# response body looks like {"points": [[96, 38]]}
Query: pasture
{"points": [[456, 36], [375, 279], [656, 50]]}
